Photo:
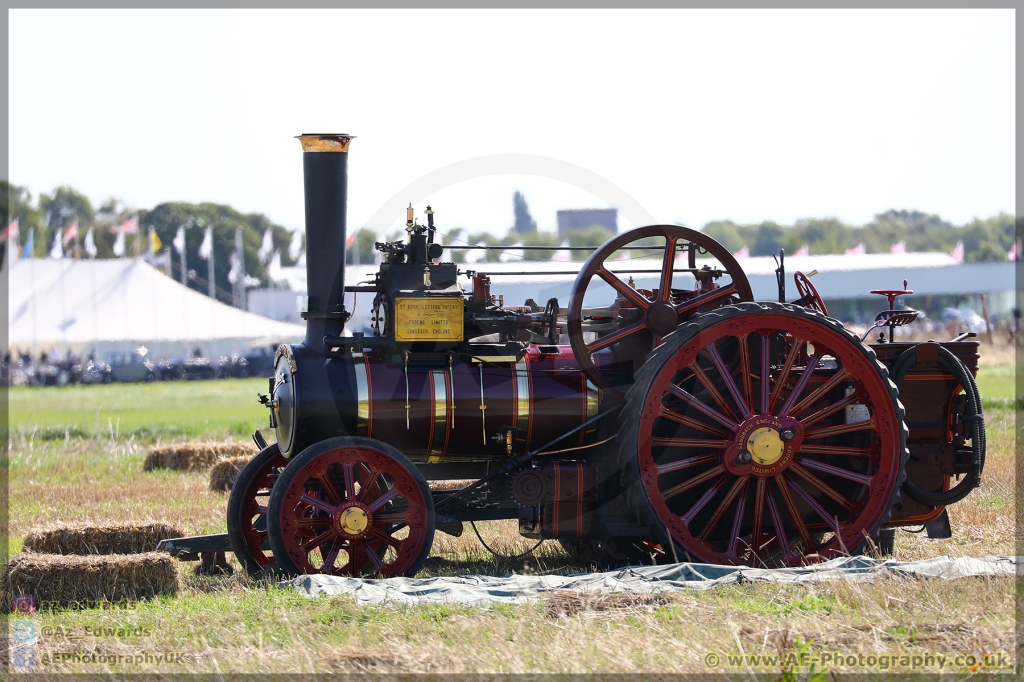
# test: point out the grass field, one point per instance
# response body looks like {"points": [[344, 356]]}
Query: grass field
{"points": [[76, 455]]}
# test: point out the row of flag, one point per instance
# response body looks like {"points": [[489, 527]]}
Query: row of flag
{"points": [[1015, 252]]}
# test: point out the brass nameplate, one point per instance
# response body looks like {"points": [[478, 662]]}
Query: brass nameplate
{"points": [[429, 319]]}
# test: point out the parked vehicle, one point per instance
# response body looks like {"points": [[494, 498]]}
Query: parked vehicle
{"points": [[131, 366]]}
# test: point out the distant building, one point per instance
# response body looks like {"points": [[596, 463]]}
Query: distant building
{"points": [[582, 218]]}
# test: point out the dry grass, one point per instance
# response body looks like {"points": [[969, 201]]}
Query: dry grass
{"points": [[225, 471], [130, 538], [64, 580], [195, 455]]}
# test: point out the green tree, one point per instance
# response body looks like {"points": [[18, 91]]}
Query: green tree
{"points": [[770, 238], [523, 222]]}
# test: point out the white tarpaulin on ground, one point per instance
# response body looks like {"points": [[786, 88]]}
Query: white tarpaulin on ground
{"points": [[86, 302], [637, 579]]}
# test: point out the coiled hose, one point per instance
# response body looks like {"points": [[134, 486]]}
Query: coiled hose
{"points": [[975, 427]]}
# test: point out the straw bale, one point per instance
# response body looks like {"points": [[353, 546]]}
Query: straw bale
{"points": [[194, 456], [62, 580], [124, 538], [224, 472]]}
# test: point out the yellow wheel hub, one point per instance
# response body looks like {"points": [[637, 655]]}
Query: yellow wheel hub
{"points": [[766, 446], [353, 521]]}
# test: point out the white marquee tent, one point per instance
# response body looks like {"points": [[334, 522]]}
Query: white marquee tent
{"points": [[119, 304]]}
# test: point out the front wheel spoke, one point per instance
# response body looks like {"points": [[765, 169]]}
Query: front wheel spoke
{"points": [[766, 372], [704, 299], [834, 470], [364, 492], [350, 480], [383, 499], [400, 517], [667, 266], [794, 511], [840, 450], [696, 480], [821, 485], [703, 502], [322, 521], [372, 555], [615, 337], [701, 407], [744, 363], [332, 556], [737, 523], [794, 351], [380, 535], [734, 391], [758, 520], [829, 410], [686, 463], [840, 429], [736, 488], [817, 508], [798, 389], [627, 291], [780, 530], [688, 421], [318, 540], [818, 393], [688, 443], [332, 494], [318, 503]]}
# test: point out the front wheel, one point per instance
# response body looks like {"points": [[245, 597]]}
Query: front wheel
{"points": [[247, 509], [351, 506]]}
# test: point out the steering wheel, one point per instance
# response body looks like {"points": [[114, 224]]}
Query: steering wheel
{"points": [[809, 296], [638, 319]]}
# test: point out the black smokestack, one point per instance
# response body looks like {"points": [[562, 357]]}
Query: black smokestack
{"points": [[325, 172]]}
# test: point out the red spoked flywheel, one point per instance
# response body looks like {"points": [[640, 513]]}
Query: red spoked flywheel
{"points": [[351, 506], [766, 434]]}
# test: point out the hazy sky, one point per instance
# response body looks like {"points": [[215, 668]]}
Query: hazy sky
{"points": [[696, 114]]}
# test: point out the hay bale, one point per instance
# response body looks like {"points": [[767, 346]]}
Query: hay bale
{"points": [[224, 473], [127, 538], [194, 456], [61, 580]]}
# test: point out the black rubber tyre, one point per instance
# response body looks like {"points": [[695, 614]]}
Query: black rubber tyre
{"points": [[242, 496], [637, 496]]}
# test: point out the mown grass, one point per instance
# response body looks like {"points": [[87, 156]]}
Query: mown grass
{"points": [[234, 624]]}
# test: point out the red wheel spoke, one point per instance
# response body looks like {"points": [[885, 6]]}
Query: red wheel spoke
{"points": [[324, 521], [667, 265], [794, 351], [830, 519], [318, 540], [834, 450], [364, 492], [829, 410], [332, 556], [391, 518], [372, 555], [356, 557], [615, 336], [386, 538], [709, 386], [818, 393], [383, 499], [744, 362], [318, 503], [734, 391], [835, 471], [801, 383], [701, 407], [820, 485], [627, 291], [840, 429], [687, 421], [737, 524], [794, 511], [689, 443], [766, 371], [702, 502], [755, 538], [332, 494], [350, 480], [696, 480], [686, 463], [704, 299], [736, 488], [780, 534]]}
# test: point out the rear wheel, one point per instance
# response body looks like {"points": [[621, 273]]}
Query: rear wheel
{"points": [[763, 434]]}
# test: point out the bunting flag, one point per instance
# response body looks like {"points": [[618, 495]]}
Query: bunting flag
{"points": [[958, 253], [274, 269], [30, 243], [11, 232], [206, 248], [90, 244], [179, 240], [130, 226], [154, 243], [70, 233], [119, 245], [802, 251], [236, 267], [898, 248], [742, 253], [267, 246], [1014, 253], [858, 250], [295, 247], [56, 251]]}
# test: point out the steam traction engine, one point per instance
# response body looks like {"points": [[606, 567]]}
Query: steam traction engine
{"points": [[683, 419]]}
